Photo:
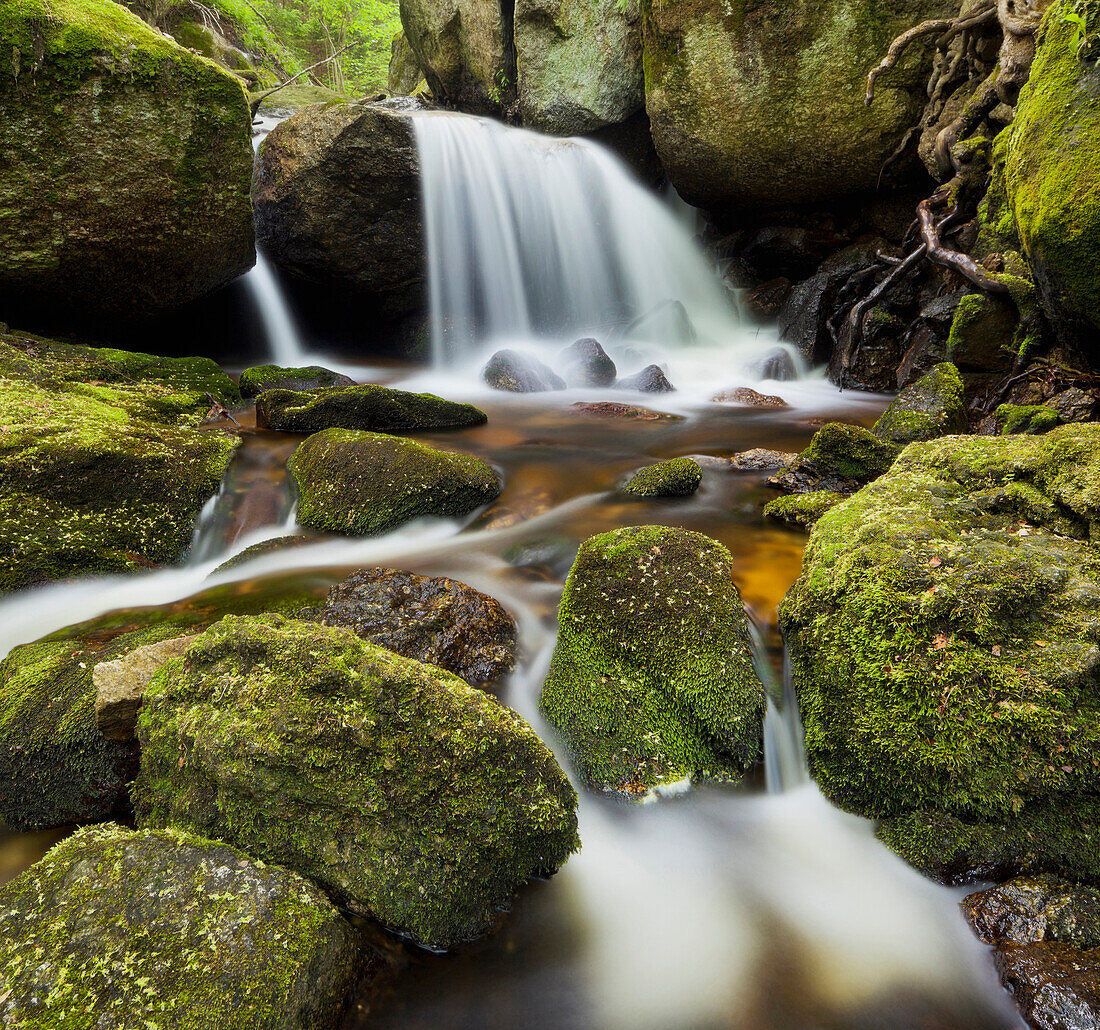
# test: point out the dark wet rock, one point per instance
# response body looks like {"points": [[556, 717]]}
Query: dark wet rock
{"points": [[108, 214], [749, 397], [932, 406], [679, 477], [983, 332], [255, 381], [553, 554], [867, 358], [774, 251], [1055, 987], [133, 930], [375, 408], [56, 767], [120, 685], [586, 363], [665, 323], [840, 458], [336, 193], [763, 302], [257, 550], [1075, 405], [365, 483], [652, 678], [1033, 909], [430, 618], [610, 409], [760, 459], [516, 372], [651, 379], [1032, 419], [407, 794], [943, 640], [777, 364], [802, 510], [926, 338]]}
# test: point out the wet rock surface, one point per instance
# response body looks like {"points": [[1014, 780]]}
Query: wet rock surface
{"points": [[761, 459], [1033, 909], [650, 379], [516, 372], [612, 409], [932, 406], [840, 458], [749, 397], [256, 380], [430, 618], [1054, 986], [585, 363]]}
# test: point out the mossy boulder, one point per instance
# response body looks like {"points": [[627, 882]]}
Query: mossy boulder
{"points": [[932, 406], [409, 795], [652, 679], [136, 930], [840, 458], [983, 333], [762, 103], [364, 483], [678, 477], [802, 510], [377, 408], [260, 378], [579, 64], [336, 193], [943, 631], [1025, 418], [1052, 174], [56, 766], [465, 51], [126, 167]]}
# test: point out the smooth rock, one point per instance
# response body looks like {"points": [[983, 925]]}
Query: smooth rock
{"points": [[586, 363], [255, 381], [749, 397], [517, 372], [632, 412], [375, 408], [120, 685], [651, 379], [777, 364]]}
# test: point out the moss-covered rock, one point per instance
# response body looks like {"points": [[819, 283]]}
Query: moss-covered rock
{"points": [[678, 477], [761, 103], [1052, 173], [364, 483], [260, 378], [579, 64], [56, 767], [943, 634], [932, 406], [408, 794], [377, 408], [1025, 418], [983, 333], [840, 458], [136, 930], [126, 163], [802, 509], [652, 679]]}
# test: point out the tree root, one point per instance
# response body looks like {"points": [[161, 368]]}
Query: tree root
{"points": [[931, 234]]}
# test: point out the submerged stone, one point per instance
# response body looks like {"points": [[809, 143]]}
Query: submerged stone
{"points": [[430, 618], [162, 928], [409, 795], [376, 408], [366, 483], [679, 477], [256, 380], [932, 406], [652, 678], [840, 459], [612, 409]]}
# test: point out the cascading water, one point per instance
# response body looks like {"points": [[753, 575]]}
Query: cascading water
{"points": [[533, 238]]}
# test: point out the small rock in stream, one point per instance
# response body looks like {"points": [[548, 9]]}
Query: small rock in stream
{"points": [[586, 364], [749, 397], [651, 379], [609, 409], [516, 372]]}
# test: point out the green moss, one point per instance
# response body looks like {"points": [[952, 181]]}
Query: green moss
{"points": [[676, 478], [370, 407], [299, 96], [156, 929], [932, 406], [366, 483], [840, 458], [943, 631], [1026, 418], [55, 766], [802, 509], [652, 678], [255, 381], [410, 795]]}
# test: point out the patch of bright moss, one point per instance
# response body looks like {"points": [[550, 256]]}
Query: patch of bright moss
{"points": [[802, 509], [930, 407], [1026, 418], [676, 478]]}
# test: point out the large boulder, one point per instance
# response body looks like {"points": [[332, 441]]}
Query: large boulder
{"points": [[136, 930], [365, 483], [336, 193], [408, 794], [652, 679], [762, 103], [430, 618], [100, 468], [134, 200], [378, 408], [519, 372], [579, 64], [943, 639], [932, 406], [261, 378], [465, 50], [1051, 181]]}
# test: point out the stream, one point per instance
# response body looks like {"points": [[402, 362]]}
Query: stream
{"points": [[757, 906]]}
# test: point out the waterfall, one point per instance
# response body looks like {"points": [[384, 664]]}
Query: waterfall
{"points": [[534, 237]]}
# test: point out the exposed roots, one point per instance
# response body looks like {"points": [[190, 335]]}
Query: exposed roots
{"points": [[931, 234]]}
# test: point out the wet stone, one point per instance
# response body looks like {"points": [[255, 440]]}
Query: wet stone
{"points": [[120, 685], [609, 409], [515, 372], [749, 397], [1031, 909], [586, 364], [651, 379]]}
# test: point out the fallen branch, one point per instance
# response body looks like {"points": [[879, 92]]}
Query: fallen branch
{"points": [[254, 104]]}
